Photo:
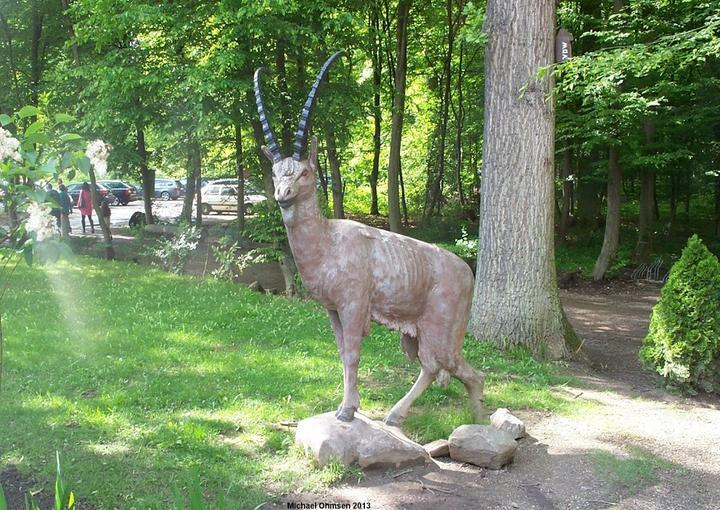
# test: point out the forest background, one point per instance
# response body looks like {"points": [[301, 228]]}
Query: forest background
{"points": [[168, 84]]}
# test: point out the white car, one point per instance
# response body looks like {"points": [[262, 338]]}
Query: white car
{"points": [[221, 196]]}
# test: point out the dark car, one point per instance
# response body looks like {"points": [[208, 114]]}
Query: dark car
{"points": [[123, 193], [167, 189], [74, 191]]}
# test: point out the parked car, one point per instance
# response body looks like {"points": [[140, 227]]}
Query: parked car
{"points": [[74, 191], [223, 197], [167, 189], [123, 193]]}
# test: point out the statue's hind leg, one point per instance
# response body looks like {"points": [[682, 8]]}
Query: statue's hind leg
{"points": [[400, 410], [474, 382]]}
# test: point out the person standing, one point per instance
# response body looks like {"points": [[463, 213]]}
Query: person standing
{"points": [[85, 205], [65, 211], [54, 197]]}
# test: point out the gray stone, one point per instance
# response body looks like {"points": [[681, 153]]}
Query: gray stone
{"points": [[482, 445], [363, 441], [438, 448], [503, 420]]}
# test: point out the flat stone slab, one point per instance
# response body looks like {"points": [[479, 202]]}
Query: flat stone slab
{"points": [[369, 443], [503, 420], [438, 448], [482, 445]]}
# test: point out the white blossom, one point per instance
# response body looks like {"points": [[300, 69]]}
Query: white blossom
{"points": [[9, 146], [98, 153], [40, 221]]}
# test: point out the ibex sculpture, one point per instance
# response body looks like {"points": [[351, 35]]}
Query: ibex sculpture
{"points": [[359, 273]]}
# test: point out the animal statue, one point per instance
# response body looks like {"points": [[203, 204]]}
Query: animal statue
{"points": [[362, 274]]}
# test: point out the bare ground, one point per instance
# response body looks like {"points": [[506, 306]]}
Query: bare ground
{"points": [[638, 448]]}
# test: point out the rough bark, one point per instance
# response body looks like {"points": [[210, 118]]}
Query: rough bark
{"points": [[516, 300], [334, 162], [403, 13], [459, 112], [147, 176], [612, 219]]}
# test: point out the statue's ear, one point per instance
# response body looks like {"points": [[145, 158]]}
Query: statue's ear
{"points": [[313, 153], [267, 153]]}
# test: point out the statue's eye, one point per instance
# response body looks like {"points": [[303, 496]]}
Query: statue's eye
{"points": [[304, 173]]}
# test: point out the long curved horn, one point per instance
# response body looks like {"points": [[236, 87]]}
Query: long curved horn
{"points": [[302, 131], [267, 130]]}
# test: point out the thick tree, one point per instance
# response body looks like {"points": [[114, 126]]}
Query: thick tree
{"points": [[516, 299]]}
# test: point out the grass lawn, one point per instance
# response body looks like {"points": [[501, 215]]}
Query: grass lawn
{"points": [[137, 377]]}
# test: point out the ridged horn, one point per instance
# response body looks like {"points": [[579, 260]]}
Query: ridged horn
{"points": [[267, 130], [303, 126]]}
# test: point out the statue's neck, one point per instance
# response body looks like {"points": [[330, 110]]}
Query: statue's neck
{"points": [[307, 230]]}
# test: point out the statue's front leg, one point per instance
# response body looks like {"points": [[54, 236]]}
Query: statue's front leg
{"points": [[352, 328], [338, 330]]}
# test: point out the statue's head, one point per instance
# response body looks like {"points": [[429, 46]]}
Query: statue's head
{"points": [[293, 177]]}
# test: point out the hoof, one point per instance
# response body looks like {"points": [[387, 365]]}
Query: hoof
{"points": [[346, 414], [392, 420]]}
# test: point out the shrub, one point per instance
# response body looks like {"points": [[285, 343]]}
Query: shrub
{"points": [[683, 343]]}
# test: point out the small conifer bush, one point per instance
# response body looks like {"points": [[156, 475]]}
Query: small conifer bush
{"points": [[683, 342]]}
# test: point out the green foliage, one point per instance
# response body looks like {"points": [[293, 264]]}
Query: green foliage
{"points": [[233, 260], [64, 498], [266, 227], [683, 343], [172, 253]]}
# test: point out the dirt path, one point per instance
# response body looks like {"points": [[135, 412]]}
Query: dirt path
{"points": [[637, 448]]}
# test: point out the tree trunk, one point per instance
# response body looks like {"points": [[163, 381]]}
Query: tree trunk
{"points": [[191, 179], [647, 201], [673, 201], [717, 206], [107, 235], [565, 171], [403, 13], [36, 53], [334, 161], [647, 214], [459, 122], [286, 134], [240, 171], [71, 30], [612, 220], [375, 42], [516, 300], [197, 172], [147, 176], [436, 188]]}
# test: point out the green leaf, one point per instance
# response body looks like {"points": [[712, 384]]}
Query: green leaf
{"points": [[70, 137], [28, 111], [62, 118], [67, 160], [37, 138], [3, 503], [84, 164], [34, 127], [5, 119], [71, 174], [50, 166]]}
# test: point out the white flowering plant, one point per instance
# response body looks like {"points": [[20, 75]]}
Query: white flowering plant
{"points": [[36, 148]]}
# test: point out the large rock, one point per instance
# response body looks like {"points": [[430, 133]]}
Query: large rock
{"points": [[363, 441], [503, 420], [482, 445], [438, 448]]}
